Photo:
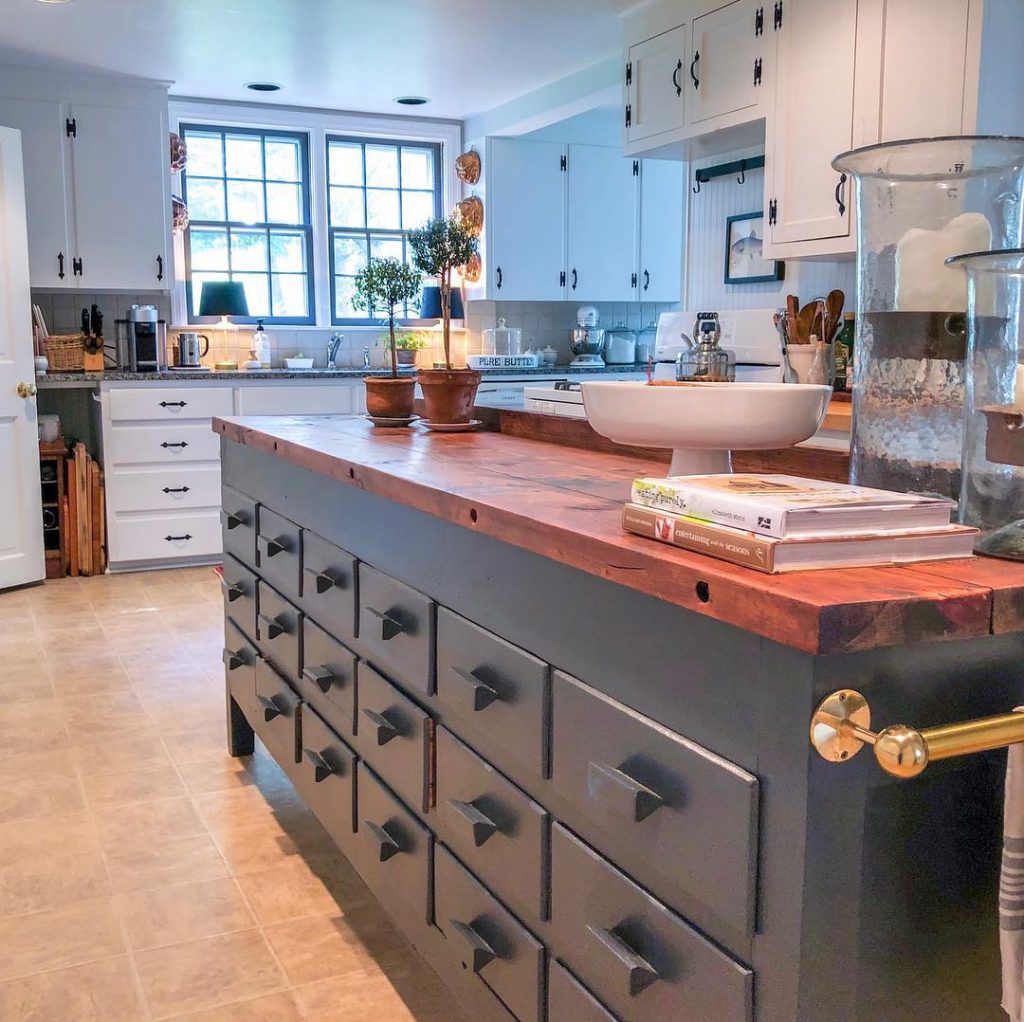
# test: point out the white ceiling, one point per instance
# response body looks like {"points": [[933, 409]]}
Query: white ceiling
{"points": [[466, 55]]}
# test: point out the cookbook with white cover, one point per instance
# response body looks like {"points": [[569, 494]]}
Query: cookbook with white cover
{"points": [[789, 506]]}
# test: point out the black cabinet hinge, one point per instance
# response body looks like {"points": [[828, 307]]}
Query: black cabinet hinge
{"points": [[71, 127], [636, 168], [773, 212], [777, 15], [563, 163], [759, 21], [76, 267], [561, 279], [629, 115], [757, 71], [629, 73], [633, 280]]}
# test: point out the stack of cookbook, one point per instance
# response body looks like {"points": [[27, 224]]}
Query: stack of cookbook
{"points": [[777, 523]]}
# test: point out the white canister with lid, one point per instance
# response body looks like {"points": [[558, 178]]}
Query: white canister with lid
{"points": [[620, 346], [501, 339]]}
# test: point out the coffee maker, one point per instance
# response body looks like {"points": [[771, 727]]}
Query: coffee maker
{"points": [[142, 346]]}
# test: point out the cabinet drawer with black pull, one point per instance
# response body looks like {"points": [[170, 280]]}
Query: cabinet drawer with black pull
{"points": [[637, 956], [239, 658], [278, 629], [277, 719], [495, 694], [487, 940], [394, 736], [680, 820], [329, 578], [496, 829], [238, 524], [238, 587], [328, 678], [279, 552], [326, 778], [396, 628]]}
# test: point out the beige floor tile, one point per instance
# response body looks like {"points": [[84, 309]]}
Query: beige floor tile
{"points": [[151, 821], [119, 756], [58, 939], [144, 784], [61, 876], [263, 846], [44, 795], [89, 719], [281, 1007], [187, 746], [36, 838], [100, 676], [35, 725], [245, 805], [24, 683], [221, 772], [32, 766], [100, 992], [289, 891], [412, 998], [205, 973], [173, 915], [143, 864]]}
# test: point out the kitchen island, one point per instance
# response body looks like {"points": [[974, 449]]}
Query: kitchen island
{"points": [[574, 764]]}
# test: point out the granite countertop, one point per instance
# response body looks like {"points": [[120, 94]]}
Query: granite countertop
{"points": [[566, 504]]}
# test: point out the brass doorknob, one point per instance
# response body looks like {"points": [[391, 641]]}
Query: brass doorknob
{"points": [[26, 390]]}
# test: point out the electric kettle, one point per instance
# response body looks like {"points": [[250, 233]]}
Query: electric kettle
{"points": [[190, 351]]}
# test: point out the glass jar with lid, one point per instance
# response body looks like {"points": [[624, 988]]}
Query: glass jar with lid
{"points": [[620, 346], [646, 343], [502, 339]]}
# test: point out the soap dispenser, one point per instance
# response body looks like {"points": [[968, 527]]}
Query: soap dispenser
{"points": [[261, 345]]}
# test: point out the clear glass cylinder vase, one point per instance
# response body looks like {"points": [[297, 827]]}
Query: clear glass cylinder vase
{"points": [[992, 492], [919, 202]]}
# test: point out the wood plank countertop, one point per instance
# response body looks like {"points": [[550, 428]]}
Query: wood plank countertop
{"points": [[565, 503]]}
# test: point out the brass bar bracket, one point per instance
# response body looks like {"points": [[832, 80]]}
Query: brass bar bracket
{"points": [[841, 727]]}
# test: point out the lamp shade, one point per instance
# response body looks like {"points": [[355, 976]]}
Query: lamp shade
{"points": [[223, 298], [430, 303]]}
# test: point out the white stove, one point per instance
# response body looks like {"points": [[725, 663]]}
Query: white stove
{"points": [[558, 398]]}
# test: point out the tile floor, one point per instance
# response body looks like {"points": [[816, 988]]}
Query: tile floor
{"points": [[144, 874]]}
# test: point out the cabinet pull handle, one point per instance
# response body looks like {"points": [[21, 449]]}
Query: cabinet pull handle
{"points": [[173, 404], [233, 591], [387, 846], [159, 267], [497, 270], [270, 708], [232, 660], [575, 278], [324, 581], [693, 65], [60, 265], [675, 78], [625, 794], [483, 694], [273, 547], [176, 489], [647, 279], [638, 973], [180, 443], [481, 953], [271, 626], [234, 519], [385, 730], [175, 539], [321, 677], [482, 826], [389, 626], [839, 194], [321, 768]]}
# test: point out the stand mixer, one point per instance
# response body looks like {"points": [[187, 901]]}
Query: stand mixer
{"points": [[587, 338]]}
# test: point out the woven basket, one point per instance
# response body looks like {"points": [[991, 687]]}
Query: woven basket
{"points": [[65, 352]]}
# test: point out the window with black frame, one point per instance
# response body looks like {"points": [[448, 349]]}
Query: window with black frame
{"points": [[247, 193], [377, 192]]}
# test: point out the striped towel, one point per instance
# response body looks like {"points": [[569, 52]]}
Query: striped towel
{"points": [[1011, 886]]}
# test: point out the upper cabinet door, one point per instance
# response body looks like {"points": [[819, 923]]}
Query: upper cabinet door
{"points": [[121, 205], [44, 150], [655, 90], [806, 199], [724, 73], [661, 231]]}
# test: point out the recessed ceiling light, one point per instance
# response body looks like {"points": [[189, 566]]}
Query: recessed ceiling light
{"points": [[412, 100], [263, 86], [53, 1]]}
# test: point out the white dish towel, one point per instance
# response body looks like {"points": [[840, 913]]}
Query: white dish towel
{"points": [[1011, 886]]}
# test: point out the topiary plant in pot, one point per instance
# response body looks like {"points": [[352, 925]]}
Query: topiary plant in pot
{"points": [[385, 284], [440, 247]]}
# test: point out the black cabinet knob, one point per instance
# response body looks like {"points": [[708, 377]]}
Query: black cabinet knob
{"points": [[233, 591], [389, 626], [270, 708], [624, 794], [387, 846], [273, 547], [631, 971], [234, 519], [481, 954], [321, 677], [321, 768], [482, 694], [232, 660], [383, 728], [480, 824], [271, 627]]}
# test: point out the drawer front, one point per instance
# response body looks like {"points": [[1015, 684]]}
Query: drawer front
{"points": [[396, 628], [570, 1000], [188, 534], [496, 829], [279, 552], [329, 578], [334, 398], [638, 957], [496, 692], [394, 736], [328, 678], [326, 778], [164, 489], [165, 443], [168, 403], [680, 820], [392, 853], [239, 586], [240, 671], [278, 631], [277, 721], [238, 520], [488, 940]]}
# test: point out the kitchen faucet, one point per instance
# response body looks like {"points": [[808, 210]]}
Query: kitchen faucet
{"points": [[332, 347]]}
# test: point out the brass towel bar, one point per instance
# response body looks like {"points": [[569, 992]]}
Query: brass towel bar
{"points": [[841, 727]]}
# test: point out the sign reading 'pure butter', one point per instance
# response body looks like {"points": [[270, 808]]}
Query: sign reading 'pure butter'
{"points": [[503, 361]]}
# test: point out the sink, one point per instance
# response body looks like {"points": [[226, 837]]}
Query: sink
{"points": [[702, 423]]}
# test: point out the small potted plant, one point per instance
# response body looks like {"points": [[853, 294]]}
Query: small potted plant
{"points": [[440, 247], [384, 284], [408, 343]]}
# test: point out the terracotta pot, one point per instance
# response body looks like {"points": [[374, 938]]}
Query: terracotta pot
{"points": [[390, 398], [449, 394], [406, 356]]}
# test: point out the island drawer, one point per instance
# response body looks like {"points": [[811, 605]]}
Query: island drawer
{"points": [[638, 956], [326, 778], [277, 722], [238, 522], [392, 852], [240, 670], [496, 693], [396, 628], [328, 678], [278, 628], [329, 585], [239, 586], [159, 403], [163, 443], [496, 829], [678, 818], [568, 999], [279, 552], [394, 736], [487, 940]]}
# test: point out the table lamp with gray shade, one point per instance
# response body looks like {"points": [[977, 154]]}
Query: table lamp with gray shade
{"points": [[224, 298]]}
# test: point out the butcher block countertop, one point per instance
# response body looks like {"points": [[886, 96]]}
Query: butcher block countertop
{"points": [[565, 503]]}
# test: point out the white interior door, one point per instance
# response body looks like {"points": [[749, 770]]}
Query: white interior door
{"points": [[21, 524]]}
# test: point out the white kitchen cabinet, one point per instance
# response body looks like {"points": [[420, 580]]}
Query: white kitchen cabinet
{"points": [[654, 85], [659, 269], [601, 225]]}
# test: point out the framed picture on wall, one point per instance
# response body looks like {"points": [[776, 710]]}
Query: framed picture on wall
{"points": [[744, 241]]}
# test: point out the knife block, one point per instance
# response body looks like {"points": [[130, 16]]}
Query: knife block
{"points": [[92, 362]]}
